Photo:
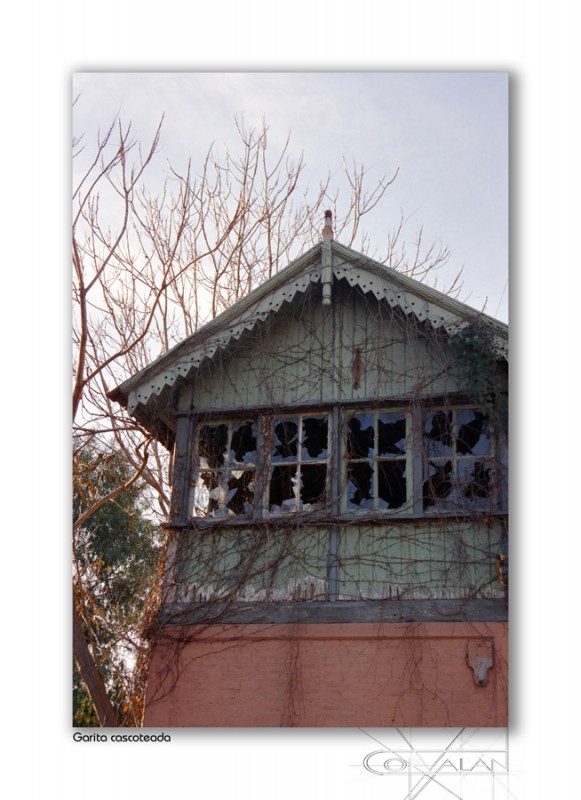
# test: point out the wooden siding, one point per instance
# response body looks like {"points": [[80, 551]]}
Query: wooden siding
{"points": [[253, 565], [306, 357], [431, 559], [436, 559]]}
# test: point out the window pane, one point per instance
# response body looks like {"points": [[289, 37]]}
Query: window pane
{"points": [[472, 436], [438, 434], [283, 485], [313, 480], [315, 432], [476, 481], [206, 494], [240, 491], [243, 445], [391, 433], [212, 443], [439, 484], [285, 440], [391, 484], [361, 436], [360, 485]]}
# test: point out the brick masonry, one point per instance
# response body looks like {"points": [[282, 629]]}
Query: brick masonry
{"points": [[328, 675]]}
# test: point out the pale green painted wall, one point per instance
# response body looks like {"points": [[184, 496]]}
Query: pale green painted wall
{"points": [[437, 559], [306, 357], [259, 564], [433, 559]]}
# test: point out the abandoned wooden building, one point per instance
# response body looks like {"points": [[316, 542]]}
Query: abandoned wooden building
{"points": [[338, 533]]}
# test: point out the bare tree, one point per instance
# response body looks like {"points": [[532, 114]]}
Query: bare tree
{"points": [[149, 268]]}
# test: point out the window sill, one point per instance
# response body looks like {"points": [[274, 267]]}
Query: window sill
{"points": [[324, 518]]}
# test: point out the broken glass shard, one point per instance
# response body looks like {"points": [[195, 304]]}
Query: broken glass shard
{"points": [[439, 483], [475, 479], [243, 445], [282, 489], [361, 435], [285, 440], [212, 443], [391, 484], [240, 491], [206, 494], [315, 433], [360, 485], [391, 433], [314, 478], [472, 437], [438, 434]]}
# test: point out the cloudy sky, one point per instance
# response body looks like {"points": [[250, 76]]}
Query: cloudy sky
{"points": [[446, 133]]}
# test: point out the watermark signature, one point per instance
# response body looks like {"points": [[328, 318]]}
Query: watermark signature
{"points": [[438, 764]]}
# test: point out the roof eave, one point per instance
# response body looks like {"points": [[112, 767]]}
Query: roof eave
{"points": [[121, 392], [241, 312]]}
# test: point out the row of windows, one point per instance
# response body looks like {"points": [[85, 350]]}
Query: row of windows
{"points": [[389, 461]]}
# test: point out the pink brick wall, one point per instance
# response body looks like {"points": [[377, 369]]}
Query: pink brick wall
{"points": [[329, 675]]}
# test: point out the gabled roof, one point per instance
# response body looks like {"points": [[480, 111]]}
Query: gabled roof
{"points": [[320, 264]]}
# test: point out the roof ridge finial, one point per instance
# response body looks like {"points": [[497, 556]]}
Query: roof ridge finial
{"points": [[327, 258], [328, 225]]}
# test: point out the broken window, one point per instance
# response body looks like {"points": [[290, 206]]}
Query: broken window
{"points": [[298, 463], [376, 460], [224, 472], [452, 450], [458, 465]]}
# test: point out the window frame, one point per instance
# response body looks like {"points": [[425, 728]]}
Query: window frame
{"points": [[223, 471], [335, 503], [408, 506], [268, 464], [490, 457]]}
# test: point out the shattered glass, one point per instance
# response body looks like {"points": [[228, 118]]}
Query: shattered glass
{"points": [[222, 489], [212, 443], [472, 437], [283, 485], [360, 485], [475, 479], [391, 484], [296, 483], [391, 433], [314, 478], [285, 440], [361, 436], [459, 470], [460, 481], [438, 434], [439, 484], [240, 491], [206, 494], [314, 439], [373, 442], [243, 444]]}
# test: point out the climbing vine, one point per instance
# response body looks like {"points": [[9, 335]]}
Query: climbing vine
{"points": [[477, 363]]}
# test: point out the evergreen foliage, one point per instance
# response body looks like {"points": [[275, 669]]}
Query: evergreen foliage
{"points": [[116, 557]]}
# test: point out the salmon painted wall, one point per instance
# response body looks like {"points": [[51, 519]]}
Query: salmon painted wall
{"points": [[330, 675]]}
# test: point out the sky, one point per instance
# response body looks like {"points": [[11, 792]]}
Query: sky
{"points": [[445, 133]]}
